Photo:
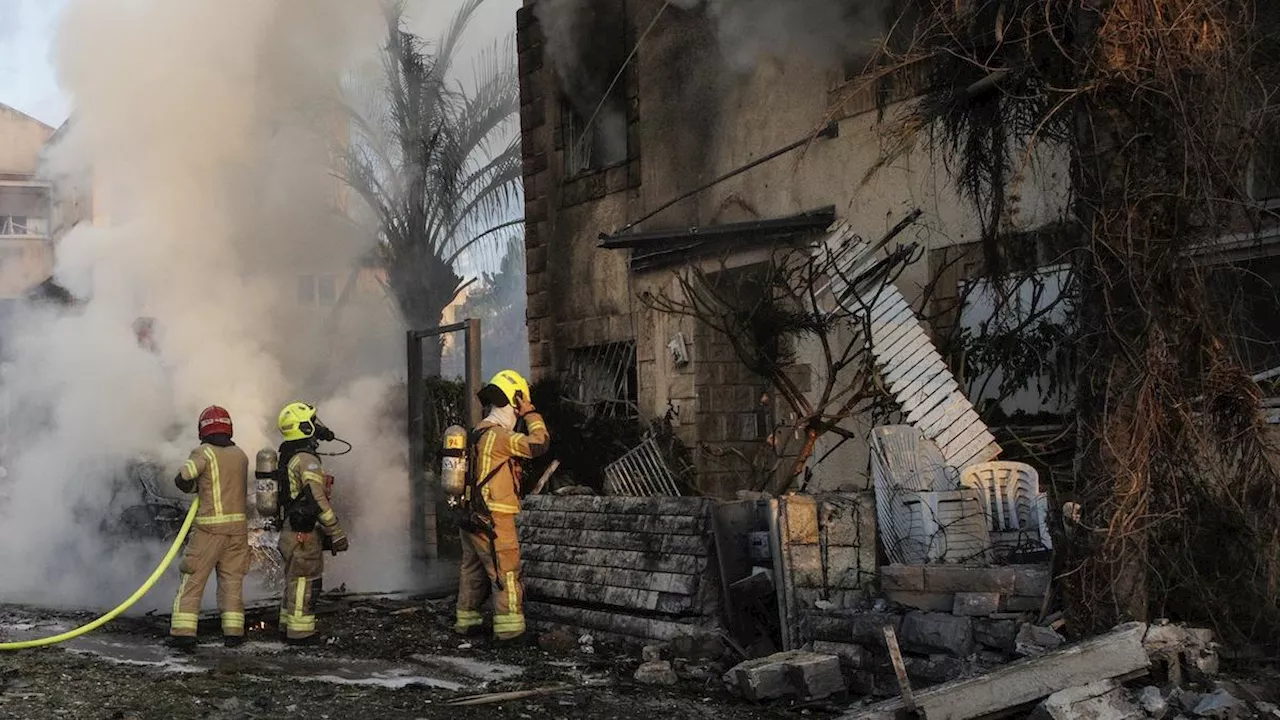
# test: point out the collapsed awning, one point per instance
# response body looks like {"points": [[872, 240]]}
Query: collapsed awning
{"points": [[652, 249]]}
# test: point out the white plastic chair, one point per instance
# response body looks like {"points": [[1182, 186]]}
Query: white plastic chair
{"points": [[1011, 498], [914, 504]]}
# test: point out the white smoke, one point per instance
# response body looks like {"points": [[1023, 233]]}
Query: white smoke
{"points": [[821, 30], [205, 126]]}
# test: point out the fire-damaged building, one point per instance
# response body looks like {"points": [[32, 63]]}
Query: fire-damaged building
{"points": [[666, 139], [651, 143]]}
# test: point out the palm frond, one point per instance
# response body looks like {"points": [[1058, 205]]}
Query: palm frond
{"points": [[438, 164]]}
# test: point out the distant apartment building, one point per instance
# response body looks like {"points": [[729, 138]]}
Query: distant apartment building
{"points": [[26, 208]]}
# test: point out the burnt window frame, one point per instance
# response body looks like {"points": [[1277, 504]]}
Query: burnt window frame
{"points": [[620, 362], [571, 124]]}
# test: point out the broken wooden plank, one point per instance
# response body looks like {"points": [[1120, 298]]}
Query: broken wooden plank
{"points": [[618, 504], [1118, 653], [500, 697], [900, 671], [546, 477], [609, 558], [613, 540], [616, 577], [618, 597], [660, 524], [612, 622]]}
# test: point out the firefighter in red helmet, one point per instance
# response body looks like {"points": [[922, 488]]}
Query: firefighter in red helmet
{"points": [[218, 472]]}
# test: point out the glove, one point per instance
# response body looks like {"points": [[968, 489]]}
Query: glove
{"points": [[340, 545]]}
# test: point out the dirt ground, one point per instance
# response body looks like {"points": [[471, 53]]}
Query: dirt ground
{"points": [[385, 659]]}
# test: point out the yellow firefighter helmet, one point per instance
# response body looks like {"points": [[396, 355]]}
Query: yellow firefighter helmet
{"points": [[510, 383], [297, 421]]}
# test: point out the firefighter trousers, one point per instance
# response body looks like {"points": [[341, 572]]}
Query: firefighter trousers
{"points": [[479, 576], [303, 556], [207, 552]]}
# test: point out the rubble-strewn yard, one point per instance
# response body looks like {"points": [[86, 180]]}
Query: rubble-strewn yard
{"points": [[388, 659]]}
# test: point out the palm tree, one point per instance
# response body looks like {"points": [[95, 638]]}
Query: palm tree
{"points": [[437, 164]]}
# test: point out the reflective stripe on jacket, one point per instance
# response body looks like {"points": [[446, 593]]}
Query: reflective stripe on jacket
{"points": [[498, 446], [220, 477]]}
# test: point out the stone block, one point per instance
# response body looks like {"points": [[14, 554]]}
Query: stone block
{"points": [[806, 566], [681, 387], [933, 602], [842, 568], [797, 674], [1105, 700], [995, 634], [902, 578], [1033, 640], [815, 676], [1031, 580], [802, 519], [852, 656], [973, 604], [867, 629], [953, 579], [934, 669], [928, 633], [1021, 604], [535, 260], [839, 521]]}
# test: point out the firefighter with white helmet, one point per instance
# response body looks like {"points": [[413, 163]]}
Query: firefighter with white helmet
{"points": [[491, 499], [304, 506], [218, 472]]}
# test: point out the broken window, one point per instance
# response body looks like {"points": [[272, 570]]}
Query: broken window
{"points": [[13, 225], [601, 380], [593, 108]]}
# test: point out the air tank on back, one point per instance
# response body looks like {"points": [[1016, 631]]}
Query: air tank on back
{"points": [[453, 462], [265, 498]]}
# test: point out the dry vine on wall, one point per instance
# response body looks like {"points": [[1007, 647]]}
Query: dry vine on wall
{"points": [[1159, 104]]}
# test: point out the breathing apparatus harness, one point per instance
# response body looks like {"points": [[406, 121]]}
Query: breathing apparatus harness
{"points": [[303, 512], [472, 512]]}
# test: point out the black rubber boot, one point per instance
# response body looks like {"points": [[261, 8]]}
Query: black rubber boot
{"points": [[232, 641], [183, 644], [309, 641]]}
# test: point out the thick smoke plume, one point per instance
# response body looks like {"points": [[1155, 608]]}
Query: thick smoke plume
{"points": [[588, 42], [205, 129], [830, 31]]}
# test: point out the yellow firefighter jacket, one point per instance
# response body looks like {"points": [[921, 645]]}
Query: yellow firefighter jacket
{"points": [[304, 471], [221, 477], [499, 448]]}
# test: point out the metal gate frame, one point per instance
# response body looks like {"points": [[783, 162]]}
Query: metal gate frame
{"points": [[425, 541]]}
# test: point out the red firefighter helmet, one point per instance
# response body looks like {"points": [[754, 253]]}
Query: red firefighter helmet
{"points": [[214, 420]]}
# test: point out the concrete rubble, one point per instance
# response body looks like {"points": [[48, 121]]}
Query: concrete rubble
{"points": [[1025, 682], [797, 674], [1105, 700]]}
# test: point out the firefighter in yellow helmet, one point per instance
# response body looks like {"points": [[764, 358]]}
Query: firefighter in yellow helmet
{"points": [[218, 472], [309, 524], [490, 547]]}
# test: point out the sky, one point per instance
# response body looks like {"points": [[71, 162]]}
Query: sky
{"points": [[28, 79]]}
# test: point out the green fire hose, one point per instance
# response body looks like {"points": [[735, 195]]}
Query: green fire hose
{"points": [[135, 597]]}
